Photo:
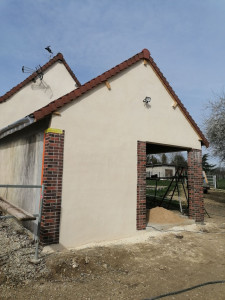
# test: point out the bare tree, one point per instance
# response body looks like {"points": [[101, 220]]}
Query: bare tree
{"points": [[215, 127], [152, 159], [178, 160], [164, 159]]}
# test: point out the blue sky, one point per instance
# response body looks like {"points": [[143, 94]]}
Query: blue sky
{"points": [[186, 39]]}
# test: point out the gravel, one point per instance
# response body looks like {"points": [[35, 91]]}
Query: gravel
{"points": [[17, 249]]}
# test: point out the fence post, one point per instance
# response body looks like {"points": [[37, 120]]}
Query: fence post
{"points": [[214, 181]]}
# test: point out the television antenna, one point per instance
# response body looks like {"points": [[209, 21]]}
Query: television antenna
{"points": [[38, 70]]}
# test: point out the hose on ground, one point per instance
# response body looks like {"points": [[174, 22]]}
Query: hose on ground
{"points": [[185, 290]]}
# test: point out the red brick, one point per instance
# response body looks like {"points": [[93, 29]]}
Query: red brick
{"points": [[195, 185], [52, 179], [141, 186]]}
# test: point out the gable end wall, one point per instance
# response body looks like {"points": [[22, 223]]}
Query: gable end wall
{"points": [[99, 196]]}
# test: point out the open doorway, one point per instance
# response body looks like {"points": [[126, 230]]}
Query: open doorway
{"points": [[166, 183], [161, 189]]}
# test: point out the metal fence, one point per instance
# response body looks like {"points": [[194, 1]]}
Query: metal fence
{"points": [[212, 180], [37, 215]]}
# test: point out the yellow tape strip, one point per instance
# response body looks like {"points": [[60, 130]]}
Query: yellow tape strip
{"points": [[53, 130]]}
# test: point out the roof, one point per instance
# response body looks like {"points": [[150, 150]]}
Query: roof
{"points": [[75, 94], [58, 57], [160, 165]]}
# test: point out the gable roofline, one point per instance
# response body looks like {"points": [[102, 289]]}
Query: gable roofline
{"points": [[15, 89], [144, 54]]}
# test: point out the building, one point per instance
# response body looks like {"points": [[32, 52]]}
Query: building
{"points": [[160, 170], [89, 146]]}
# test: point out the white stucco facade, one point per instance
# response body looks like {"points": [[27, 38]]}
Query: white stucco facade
{"points": [[56, 82], [160, 170], [100, 152]]}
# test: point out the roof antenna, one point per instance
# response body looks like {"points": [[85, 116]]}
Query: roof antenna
{"points": [[49, 50], [38, 70]]}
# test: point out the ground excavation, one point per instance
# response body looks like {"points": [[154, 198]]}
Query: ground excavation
{"points": [[151, 264]]}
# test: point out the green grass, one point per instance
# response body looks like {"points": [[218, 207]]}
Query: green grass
{"points": [[221, 184], [159, 193], [160, 182], [162, 186]]}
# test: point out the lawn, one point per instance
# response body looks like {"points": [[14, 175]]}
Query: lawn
{"points": [[161, 182], [162, 186], [154, 196]]}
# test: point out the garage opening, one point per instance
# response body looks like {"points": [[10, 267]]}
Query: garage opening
{"points": [[157, 188], [166, 184]]}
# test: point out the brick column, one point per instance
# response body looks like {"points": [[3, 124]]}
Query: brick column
{"points": [[195, 185], [52, 180], [141, 185]]}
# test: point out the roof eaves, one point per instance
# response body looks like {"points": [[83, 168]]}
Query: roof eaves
{"points": [[180, 104], [58, 57], [144, 54], [70, 71], [41, 113]]}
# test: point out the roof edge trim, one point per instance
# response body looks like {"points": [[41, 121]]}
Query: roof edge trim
{"points": [[16, 126], [144, 54], [15, 89]]}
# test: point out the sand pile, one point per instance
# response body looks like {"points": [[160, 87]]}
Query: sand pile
{"points": [[160, 215]]}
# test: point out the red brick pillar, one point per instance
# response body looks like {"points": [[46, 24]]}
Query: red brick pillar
{"points": [[195, 185], [141, 185], [52, 180]]}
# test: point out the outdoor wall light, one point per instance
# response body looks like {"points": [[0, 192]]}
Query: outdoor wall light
{"points": [[147, 100]]}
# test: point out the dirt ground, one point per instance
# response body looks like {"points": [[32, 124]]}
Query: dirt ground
{"points": [[164, 263]]}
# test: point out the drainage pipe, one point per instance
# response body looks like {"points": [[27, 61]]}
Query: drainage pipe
{"points": [[18, 125]]}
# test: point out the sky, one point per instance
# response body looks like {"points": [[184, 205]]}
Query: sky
{"points": [[186, 38]]}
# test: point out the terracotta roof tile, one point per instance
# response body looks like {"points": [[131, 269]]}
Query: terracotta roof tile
{"points": [[53, 106], [144, 54], [58, 57], [78, 93]]}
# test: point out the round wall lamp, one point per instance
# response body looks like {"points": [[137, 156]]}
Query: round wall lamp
{"points": [[147, 100]]}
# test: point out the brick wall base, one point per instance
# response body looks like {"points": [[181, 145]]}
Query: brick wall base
{"points": [[52, 180], [141, 185], [195, 185]]}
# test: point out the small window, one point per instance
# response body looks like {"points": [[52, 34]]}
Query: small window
{"points": [[168, 173]]}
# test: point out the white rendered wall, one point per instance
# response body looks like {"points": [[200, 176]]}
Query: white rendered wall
{"points": [[56, 82], [160, 170], [100, 159]]}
